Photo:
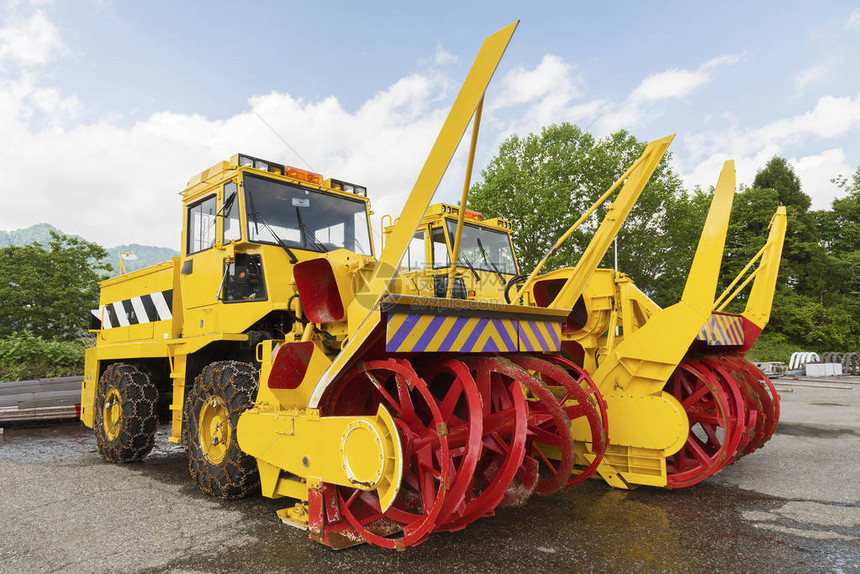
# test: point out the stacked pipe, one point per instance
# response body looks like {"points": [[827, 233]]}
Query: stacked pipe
{"points": [[40, 399]]}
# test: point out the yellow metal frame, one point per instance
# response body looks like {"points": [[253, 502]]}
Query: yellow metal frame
{"points": [[760, 300]]}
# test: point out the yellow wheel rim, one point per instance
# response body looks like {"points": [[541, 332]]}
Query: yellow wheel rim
{"points": [[215, 430], [112, 416]]}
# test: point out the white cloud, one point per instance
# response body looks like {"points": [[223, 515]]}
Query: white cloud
{"points": [[830, 118], [675, 83], [443, 58], [812, 75], [29, 41], [724, 60], [816, 171], [56, 107], [522, 86], [525, 100], [854, 19]]}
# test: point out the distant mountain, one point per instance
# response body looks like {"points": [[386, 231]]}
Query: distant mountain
{"points": [[146, 254], [41, 233]]}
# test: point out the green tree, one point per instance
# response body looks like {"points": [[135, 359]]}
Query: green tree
{"points": [[779, 175], [49, 291], [543, 183], [840, 227], [813, 307], [752, 210], [804, 262], [844, 239]]}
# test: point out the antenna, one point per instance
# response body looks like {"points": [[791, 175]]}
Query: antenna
{"points": [[286, 143]]}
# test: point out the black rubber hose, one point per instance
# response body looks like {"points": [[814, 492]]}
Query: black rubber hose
{"points": [[513, 281]]}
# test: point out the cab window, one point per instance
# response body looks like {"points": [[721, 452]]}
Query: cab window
{"points": [[230, 212], [201, 225], [483, 248], [416, 256], [284, 213], [441, 258]]}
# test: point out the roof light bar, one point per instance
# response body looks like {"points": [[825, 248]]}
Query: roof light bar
{"points": [[261, 164], [347, 187]]}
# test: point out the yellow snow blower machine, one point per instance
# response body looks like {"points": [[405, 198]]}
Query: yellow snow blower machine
{"points": [[386, 401]]}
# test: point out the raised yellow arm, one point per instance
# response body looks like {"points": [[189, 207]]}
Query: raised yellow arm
{"points": [[615, 217], [363, 310], [645, 359], [761, 296]]}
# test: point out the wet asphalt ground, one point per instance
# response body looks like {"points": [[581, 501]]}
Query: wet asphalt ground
{"points": [[793, 506]]}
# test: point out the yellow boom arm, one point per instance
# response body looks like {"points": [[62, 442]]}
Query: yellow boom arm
{"points": [[761, 296], [618, 212], [644, 360], [364, 309]]}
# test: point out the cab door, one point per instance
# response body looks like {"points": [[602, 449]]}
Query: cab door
{"points": [[208, 223]]}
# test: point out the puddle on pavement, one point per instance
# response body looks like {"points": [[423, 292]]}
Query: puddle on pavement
{"points": [[814, 431], [589, 528]]}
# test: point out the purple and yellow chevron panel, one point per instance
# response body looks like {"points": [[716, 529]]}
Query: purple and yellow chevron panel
{"points": [[430, 333], [539, 335], [722, 330]]}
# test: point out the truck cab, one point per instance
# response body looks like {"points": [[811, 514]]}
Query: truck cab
{"points": [[486, 262], [246, 223]]}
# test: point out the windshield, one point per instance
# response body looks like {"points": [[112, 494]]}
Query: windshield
{"points": [[484, 248], [303, 218]]}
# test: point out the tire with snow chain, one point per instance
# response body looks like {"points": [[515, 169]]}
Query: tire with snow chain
{"points": [[126, 413], [221, 393]]}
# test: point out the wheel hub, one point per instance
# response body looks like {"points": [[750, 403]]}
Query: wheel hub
{"points": [[112, 413], [215, 430]]}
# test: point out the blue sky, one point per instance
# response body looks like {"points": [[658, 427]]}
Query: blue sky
{"points": [[109, 108]]}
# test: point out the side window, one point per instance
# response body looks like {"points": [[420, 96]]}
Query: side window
{"points": [[416, 257], [441, 258], [201, 225], [359, 239], [230, 211]]}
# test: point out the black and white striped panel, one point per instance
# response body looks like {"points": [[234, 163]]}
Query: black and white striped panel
{"points": [[149, 308]]}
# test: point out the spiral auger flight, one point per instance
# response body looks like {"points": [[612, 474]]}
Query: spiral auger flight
{"points": [[477, 432]]}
